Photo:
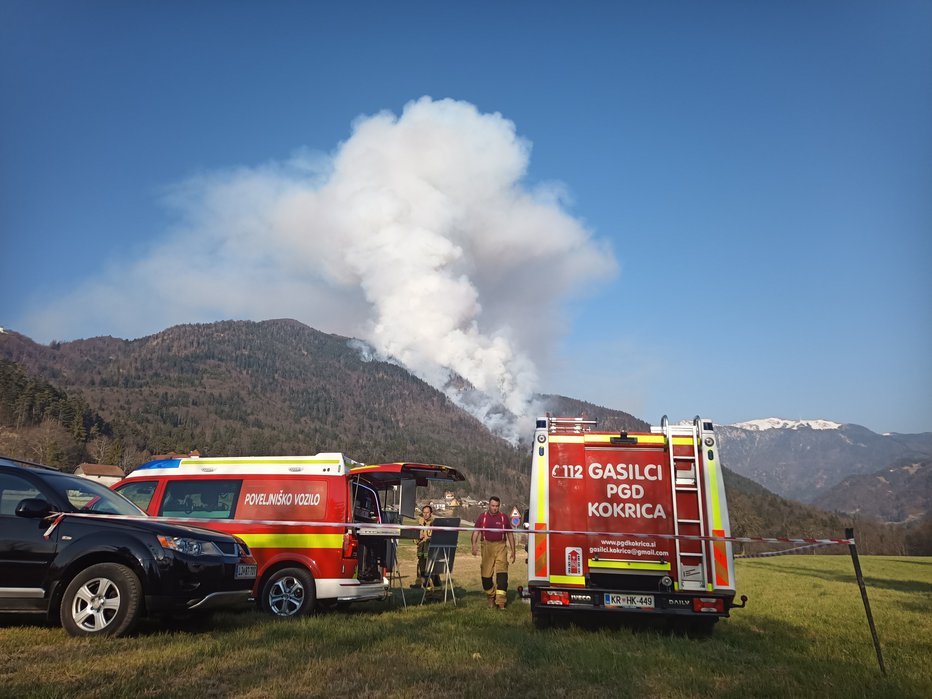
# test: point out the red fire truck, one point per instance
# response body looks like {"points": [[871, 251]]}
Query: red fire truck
{"points": [[609, 520]]}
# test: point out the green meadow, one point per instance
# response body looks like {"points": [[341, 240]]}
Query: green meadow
{"points": [[803, 633]]}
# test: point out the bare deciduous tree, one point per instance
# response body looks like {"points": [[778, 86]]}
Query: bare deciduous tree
{"points": [[47, 441], [100, 448]]}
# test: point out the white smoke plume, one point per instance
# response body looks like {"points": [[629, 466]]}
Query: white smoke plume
{"points": [[417, 235]]}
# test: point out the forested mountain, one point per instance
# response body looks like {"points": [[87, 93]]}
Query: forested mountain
{"points": [[898, 493], [60, 427], [806, 459], [274, 387], [279, 387]]}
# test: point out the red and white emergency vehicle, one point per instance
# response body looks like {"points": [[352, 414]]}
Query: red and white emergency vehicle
{"points": [[291, 511], [607, 519]]}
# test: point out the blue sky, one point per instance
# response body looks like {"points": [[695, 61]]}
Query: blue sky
{"points": [[758, 174]]}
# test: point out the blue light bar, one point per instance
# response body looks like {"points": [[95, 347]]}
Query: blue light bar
{"points": [[161, 463]]}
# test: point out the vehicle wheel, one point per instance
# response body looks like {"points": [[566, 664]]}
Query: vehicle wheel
{"points": [[102, 600], [289, 592], [541, 620]]}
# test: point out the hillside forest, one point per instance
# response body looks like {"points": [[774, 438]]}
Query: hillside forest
{"points": [[279, 387]]}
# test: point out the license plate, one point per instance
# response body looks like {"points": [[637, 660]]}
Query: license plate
{"points": [[245, 570], [629, 601]]}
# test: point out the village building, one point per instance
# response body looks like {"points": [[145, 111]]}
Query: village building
{"points": [[102, 473]]}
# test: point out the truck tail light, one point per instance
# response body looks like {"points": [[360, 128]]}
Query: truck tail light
{"points": [[555, 597], [709, 604]]}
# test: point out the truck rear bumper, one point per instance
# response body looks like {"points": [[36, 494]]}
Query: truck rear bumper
{"points": [[595, 600]]}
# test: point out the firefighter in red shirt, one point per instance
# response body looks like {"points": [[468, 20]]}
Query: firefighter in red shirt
{"points": [[494, 552]]}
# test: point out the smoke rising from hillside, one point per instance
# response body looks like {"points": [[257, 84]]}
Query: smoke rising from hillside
{"points": [[416, 235]]}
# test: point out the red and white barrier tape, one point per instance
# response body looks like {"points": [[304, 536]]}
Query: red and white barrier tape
{"points": [[795, 549], [392, 528]]}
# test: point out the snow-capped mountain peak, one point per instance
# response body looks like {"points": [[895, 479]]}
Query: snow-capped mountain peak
{"points": [[772, 423]]}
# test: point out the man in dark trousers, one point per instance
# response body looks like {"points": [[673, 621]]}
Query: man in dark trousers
{"points": [[494, 552]]}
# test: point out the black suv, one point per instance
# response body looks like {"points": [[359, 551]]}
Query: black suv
{"points": [[81, 553]]}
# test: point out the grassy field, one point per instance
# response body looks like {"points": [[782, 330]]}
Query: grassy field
{"points": [[802, 634]]}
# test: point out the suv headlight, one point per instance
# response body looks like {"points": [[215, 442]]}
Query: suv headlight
{"points": [[192, 547]]}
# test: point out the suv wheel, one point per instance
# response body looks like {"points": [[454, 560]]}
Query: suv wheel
{"points": [[102, 600], [289, 592]]}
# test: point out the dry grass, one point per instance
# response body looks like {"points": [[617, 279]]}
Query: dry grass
{"points": [[803, 634]]}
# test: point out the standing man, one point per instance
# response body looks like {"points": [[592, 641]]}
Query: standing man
{"points": [[494, 553]]}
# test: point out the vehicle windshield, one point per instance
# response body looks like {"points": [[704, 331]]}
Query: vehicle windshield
{"points": [[87, 496]]}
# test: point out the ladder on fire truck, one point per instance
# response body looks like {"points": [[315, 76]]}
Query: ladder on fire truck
{"points": [[688, 504]]}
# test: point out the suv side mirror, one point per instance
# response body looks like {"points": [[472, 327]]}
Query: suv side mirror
{"points": [[33, 508]]}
